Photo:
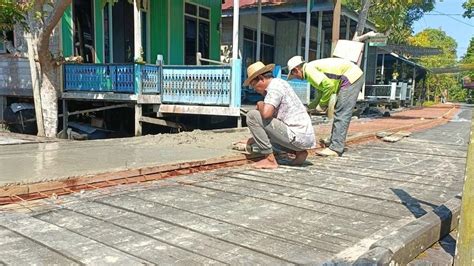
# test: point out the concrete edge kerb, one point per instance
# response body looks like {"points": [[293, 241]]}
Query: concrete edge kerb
{"points": [[407, 242]]}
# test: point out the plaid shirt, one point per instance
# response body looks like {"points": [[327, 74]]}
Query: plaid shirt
{"points": [[292, 112]]}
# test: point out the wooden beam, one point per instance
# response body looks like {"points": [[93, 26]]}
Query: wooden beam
{"points": [[465, 241], [138, 116], [336, 23], [161, 122]]}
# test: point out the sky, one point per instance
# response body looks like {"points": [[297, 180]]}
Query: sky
{"points": [[447, 16]]}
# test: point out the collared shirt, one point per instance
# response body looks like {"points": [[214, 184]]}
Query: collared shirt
{"points": [[290, 110], [328, 75]]}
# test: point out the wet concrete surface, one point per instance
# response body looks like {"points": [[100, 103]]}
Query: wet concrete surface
{"points": [[36, 162], [330, 210]]}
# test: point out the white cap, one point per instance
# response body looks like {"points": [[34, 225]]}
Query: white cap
{"points": [[294, 62]]}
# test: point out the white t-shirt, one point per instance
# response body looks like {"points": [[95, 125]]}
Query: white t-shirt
{"points": [[292, 112]]}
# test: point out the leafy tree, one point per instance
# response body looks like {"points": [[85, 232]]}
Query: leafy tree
{"points": [[394, 17], [11, 13], [469, 9], [437, 83], [468, 58], [39, 19]]}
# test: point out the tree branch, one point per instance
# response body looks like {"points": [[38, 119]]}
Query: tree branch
{"points": [[44, 54]]}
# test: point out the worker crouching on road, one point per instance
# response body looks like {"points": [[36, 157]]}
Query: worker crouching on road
{"points": [[332, 76], [279, 120]]}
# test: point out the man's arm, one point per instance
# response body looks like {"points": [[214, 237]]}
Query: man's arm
{"points": [[328, 87], [266, 110], [322, 83]]}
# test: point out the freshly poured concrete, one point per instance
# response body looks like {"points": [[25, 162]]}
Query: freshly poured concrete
{"points": [[35, 162]]}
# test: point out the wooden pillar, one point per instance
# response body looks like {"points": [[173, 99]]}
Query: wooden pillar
{"points": [[308, 30], [259, 30], [465, 241], [138, 116], [235, 30], [348, 28], [3, 105], [65, 120], [336, 23], [319, 37], [137, 32]]}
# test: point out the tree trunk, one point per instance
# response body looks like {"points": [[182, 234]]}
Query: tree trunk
{"points": [[49, 99], [35, 82], [45, 79], [363, 14]]}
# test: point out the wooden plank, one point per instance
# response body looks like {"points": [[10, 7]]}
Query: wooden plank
{"points": [[128, 241], [160, 122], [14, 245], [202, 110], [66, 242], [465, 243], [299, 225], [174, 235], [100, 96], [284, 249]]}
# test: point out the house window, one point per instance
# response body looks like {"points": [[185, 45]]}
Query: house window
{"points": [[267, 47], [312, 48], [196, 32]]}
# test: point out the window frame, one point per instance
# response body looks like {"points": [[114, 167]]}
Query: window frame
{"points": [[263, 45], [198, 19]]}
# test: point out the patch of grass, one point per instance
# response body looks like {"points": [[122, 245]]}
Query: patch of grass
{"points": [[428, 103]]}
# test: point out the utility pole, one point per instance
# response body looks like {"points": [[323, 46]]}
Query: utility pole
{"points": [[336, 22]]}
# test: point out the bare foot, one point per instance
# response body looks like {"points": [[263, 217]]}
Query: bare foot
{"points": [[300, 158], [269, 162]]}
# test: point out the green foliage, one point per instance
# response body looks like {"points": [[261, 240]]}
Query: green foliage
{"points": [[11, 13], [468, 58], [436, 83], [469, 9], [394, 16], [428, 103]]}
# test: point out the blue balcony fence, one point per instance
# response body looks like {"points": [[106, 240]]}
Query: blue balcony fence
{"points": [[197, 85], [117, 78], [206, 85]]}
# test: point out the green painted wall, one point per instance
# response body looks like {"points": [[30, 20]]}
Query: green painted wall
{"points": [[176, 28], [164, 15], [99, 30], [158, 30], [66, 32]]}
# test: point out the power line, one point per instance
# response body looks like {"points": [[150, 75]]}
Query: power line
{"points": [[452, 17], [443, 14]]}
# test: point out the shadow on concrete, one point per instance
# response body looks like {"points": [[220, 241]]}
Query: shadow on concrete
{"points": [[444, 214]]}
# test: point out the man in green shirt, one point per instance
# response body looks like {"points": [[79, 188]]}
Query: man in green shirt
{"points": [[332, 76]]}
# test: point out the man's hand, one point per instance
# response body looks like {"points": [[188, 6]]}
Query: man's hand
{"points": [[260, 105]]}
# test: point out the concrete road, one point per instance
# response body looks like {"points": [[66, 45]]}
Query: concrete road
{"points": [[332, 209]]}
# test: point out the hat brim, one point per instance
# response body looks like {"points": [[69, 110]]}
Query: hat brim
{"points": [[261, 71]]}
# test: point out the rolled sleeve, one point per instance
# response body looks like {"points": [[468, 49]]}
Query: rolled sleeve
{"points": [[273, 97]]}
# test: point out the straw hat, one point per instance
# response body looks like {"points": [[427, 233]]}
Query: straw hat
{"points": [[255, 69], [292, 63]]}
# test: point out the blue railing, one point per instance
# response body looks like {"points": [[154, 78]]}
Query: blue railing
{"points": [[118, 78], [198, 85], [205, 85]]}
